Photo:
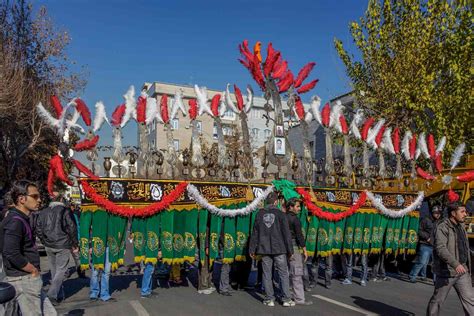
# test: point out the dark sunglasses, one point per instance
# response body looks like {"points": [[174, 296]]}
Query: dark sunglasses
{"points": [[34, 196]]}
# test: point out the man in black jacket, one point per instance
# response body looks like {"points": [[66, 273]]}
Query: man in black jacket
{"points": [[57, 230], [17, 244], [271, 239], [426, 241]]}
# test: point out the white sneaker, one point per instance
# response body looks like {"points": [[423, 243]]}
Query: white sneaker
{"points": [[205, 292], [269, 303], [289, 303]]}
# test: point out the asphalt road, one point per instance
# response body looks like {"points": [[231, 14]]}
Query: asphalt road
{"points": [[394, 297]]}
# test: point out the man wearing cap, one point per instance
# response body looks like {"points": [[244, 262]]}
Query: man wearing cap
{"points": [[426, 241]]}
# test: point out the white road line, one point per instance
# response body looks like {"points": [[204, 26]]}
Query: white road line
{"points": [[138, 307], [360, 310]]}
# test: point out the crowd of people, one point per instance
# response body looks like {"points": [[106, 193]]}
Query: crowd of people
{"points": [[276, 247]]}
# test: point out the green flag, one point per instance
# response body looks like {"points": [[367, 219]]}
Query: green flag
{"points": [[115, 235], [338, 236], [84, 233], [178, 236], [413, 234], [152, 238], [139, 238], [325, 238], [99, 238], [349, 234], [303, 216], [242, 233], [312, 235], [229, 239], [358, 233], [403, 235], [203, 216], [367, 233], [167, 219], [214, 234], [190, 234]]}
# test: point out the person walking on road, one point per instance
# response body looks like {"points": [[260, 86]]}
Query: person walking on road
{"points": [[271, 239], [452, 261], [57, 230]]}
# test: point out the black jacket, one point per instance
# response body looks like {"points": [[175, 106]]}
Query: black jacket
{"points": [[17, 244], [426, 230], [297, 237], [271, 233], [56, 227]]}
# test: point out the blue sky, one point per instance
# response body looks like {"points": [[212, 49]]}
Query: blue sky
{"points": [[195, 42]]}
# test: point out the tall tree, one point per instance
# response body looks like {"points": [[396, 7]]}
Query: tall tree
{"points": [[33, 66], [416, 66]]}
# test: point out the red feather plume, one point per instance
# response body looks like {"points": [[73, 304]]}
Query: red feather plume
{"points": [[326, 115], [423, 174], [307, 87], [378, 138], [343, 122], [87, 144], [431, 146], [396, 140], [413, 146], [215, 104], [365, 128], [84, 170], [164, 108], [269, 63], [245, 51], [257, 72], [58, 108], [238, 96], [118, 114], [50, 183], [285, 83], [56, 164], [467, 176], [141, 109], [304, 73], [452, 196], [299, 108], [245, 63], [192, 109], [280, 69], [439, 162], [84, 111]]}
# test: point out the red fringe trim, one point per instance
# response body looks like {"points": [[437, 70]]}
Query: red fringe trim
{"points": [[332, 217], [87, 144], [127, 211]]}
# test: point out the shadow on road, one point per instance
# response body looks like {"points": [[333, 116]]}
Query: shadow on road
{"points": [[379, 307]]}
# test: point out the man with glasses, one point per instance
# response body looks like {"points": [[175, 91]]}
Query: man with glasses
{"points": [[17, 244]]}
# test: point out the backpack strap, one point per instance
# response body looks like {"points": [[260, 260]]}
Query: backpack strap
{"points": [[28, 229]]}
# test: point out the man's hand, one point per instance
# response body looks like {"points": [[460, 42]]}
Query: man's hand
{"points": [[207, 251], [305, 254], [35, 273], [252, 255], [75, 249], [460, 269]]}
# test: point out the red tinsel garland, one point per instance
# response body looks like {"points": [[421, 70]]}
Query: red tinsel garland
{"points": [[127, 211], [332, 217], [84, 169]]}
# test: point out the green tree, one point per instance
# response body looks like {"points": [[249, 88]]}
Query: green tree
{"points": [[33, 65], [416, 66]]}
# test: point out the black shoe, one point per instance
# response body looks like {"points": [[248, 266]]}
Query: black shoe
{"points": [[54, 301], [225, 293]]}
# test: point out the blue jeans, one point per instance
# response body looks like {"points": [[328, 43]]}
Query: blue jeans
{"points": [[147, 280], [101, 287], [424, 255]]}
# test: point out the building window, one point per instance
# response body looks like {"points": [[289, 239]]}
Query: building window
{"points": [[268, 133], [199, 126], [175, 124], [229, 115], [255, 133], [176, 144]]}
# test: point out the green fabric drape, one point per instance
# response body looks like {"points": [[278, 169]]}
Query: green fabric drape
{"points": [[203, 235], [179, 226], [286, 188], [229, 239], [325, 238], [403, 235], [152, 238], [358, 233], [115, 235], [379, 226], [242, 236], [338, 236], [412, 238], [349, 234], [367, 234], [99, 238], [190, 235], [312, 235], [84, 233], [167, 229], [214, 234], [139, 238]]}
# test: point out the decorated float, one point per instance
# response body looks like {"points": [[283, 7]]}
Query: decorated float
{"points": [[361, 208]]}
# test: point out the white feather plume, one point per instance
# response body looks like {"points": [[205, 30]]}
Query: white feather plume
{"points": [[100, 116], [441, 145], [356, 121], [177, 104], [228, 100], [387, 142], [249, 99], [406, 145], [315, 105], [417, 153], [336, 111], [222, 105], [423, 146], [46, 116], [308, 117], [151, 109], [201, 94], [457, 155], [130, 106], [373, 133]]}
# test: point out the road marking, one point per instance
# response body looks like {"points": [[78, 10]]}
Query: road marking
{"points": [[360, 310], [138, 307]]}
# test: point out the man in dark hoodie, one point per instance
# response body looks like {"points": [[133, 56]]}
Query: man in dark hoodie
{"points": [[271, 239], [57, 230]]}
